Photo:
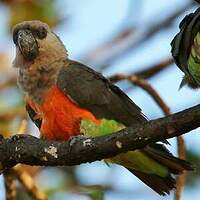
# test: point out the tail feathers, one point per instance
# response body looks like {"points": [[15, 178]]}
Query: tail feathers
{"points": [[174, 164], [159, 153], [161, 185]]}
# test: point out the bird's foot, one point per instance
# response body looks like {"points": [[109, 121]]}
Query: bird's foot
{"points": [[80, 138]]}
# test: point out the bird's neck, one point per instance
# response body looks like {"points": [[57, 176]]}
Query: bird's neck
{"points": [[36, 80]]}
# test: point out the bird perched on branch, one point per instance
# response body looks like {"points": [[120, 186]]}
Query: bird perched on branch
{"points": [[66, 98], [186, 49]]}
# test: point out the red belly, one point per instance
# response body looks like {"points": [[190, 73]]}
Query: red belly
{"points": [[60, 115]]}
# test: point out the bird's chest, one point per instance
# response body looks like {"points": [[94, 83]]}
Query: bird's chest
{"points": [[36, 81], [28, 79], [60, 116]]}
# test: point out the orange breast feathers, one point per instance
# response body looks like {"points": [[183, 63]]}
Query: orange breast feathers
{"points": [[60, 116]]}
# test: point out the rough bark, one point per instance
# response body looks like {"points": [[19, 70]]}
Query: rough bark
{"points": [[29, 150]]}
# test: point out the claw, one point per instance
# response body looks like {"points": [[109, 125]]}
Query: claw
{"points": [[75, 139]]}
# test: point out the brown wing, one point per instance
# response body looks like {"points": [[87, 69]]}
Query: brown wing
{"points": [[92, 91]]}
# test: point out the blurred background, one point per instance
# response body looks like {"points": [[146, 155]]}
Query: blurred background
{"points": [[115, 36]]}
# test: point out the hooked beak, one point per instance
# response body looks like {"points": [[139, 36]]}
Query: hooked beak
{"points": [[27, 44]]}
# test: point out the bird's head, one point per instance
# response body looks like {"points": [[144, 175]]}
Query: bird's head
{"points": [[36, 43]]}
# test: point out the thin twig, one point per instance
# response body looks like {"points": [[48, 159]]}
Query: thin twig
{"points": [[155, 69], [144, 85], [27, 181], [10, 185], [181, 179]]}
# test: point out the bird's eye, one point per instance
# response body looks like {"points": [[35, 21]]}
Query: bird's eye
{"points": [[42, 33]]}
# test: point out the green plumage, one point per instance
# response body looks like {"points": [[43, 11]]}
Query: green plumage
{"points": [[194, 59], [133, 159], [104, 128], [186, 49]]}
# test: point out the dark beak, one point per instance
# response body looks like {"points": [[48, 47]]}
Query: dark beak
{"points": [[27, 44]]}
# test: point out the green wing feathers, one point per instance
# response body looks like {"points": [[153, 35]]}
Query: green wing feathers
{"points": [[133, 159], [194, 59], [153, 164], [106, 127], [137, 160]]}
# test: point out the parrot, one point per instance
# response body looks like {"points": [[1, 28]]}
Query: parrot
{"points": [[65, 98], [186, 49]]}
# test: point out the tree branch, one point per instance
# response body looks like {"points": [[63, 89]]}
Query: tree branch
{"points": [[154, 69], [27, 149]]}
